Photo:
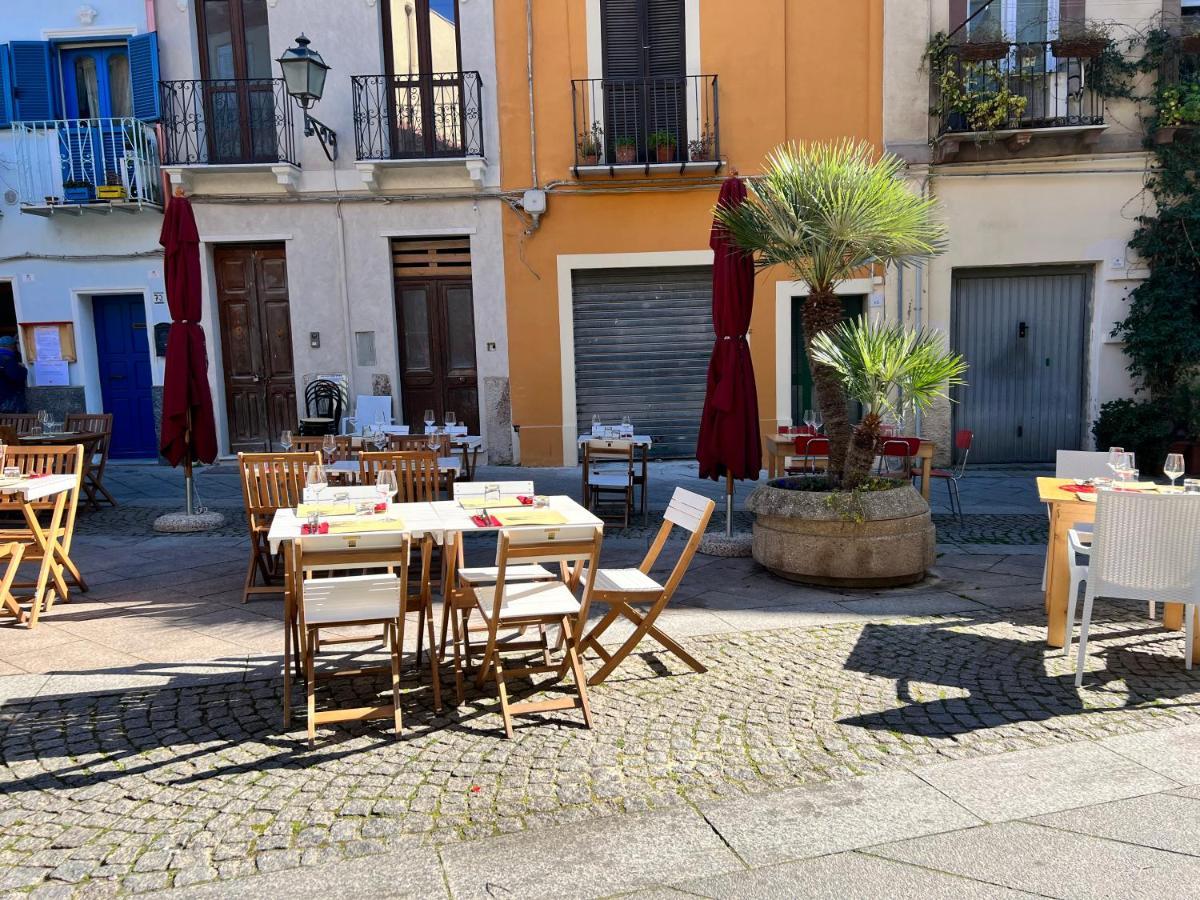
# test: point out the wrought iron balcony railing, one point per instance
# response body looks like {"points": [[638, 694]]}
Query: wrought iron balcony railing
{"points": [[646, 121], [1025, 86], [69, 163], [227, 121], [423, 116]]}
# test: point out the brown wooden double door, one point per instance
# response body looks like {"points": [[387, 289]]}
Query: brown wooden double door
{"points": [[256, 343], [436, 321]]}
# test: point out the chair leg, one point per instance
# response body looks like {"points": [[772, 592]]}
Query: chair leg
{"points": [[392, 631], [458, 660], [435, 669], [1077, 578], [311, 685], [1083, 638], [957, 501], [1151, 605], [577, 672], [1189, 631], [502, 691]]}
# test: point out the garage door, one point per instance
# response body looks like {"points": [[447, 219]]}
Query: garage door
{"points": [[1022, 333], [643, 338]]}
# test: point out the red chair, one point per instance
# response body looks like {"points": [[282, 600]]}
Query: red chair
{"points": [[813, 449], [897, 447], [962, 442]]}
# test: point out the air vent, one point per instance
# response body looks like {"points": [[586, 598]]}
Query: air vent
{"points": [[425, 257]]}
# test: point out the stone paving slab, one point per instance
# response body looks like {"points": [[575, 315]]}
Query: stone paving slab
{"points": [[1173, 753], [1163, 821]]}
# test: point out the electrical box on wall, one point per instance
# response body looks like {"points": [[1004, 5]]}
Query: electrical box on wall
{"points": [[534, 202]]}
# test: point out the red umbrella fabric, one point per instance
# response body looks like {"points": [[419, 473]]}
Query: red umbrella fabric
{"points": [[188, 430], [729, 442]]}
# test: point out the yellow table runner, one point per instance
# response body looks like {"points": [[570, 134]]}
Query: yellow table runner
{"points": [[325, 508], [481, 503], [530, 517], [365, 523]]}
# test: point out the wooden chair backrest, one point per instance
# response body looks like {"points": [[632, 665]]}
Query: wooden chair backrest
{"points": [[21, 423], [309, 444], [49, 461], [96, 423], [417, 443], [316, 555], [564, 544], [8, 435], [417, 476], [273, 481], [691, 512], [598, 451]]}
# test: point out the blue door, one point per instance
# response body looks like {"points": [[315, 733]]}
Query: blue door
{"points": [[123, 351]]}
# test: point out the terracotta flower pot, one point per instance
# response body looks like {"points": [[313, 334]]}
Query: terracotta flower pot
{"points": [[982, 51], [626, 155], [1083, 48], [665, 153]]}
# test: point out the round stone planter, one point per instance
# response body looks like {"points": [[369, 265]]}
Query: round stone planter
{"points": [[884, 539]]}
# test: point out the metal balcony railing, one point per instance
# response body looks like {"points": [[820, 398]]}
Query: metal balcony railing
{"points": [[1055, 89], [69, 162], [646, 121], [227, 121], [424, 116]]}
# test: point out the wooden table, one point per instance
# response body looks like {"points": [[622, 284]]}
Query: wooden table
{"points": [[89, 440], [53, 553], [781, 446], [1066, 511]]}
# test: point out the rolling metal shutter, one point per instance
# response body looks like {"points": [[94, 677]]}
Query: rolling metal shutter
{"points": [[1022, 333], [643, 338]]}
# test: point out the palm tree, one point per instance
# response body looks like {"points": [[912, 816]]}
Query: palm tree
{"points": [[888, 369], [830, 212]]}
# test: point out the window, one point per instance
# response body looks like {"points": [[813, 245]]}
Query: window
{"points": [[96, 83], [235, 39], [421, 36], [1024, 21], [1190, 7]]}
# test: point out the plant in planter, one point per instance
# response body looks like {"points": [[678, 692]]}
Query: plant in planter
{"points": [[963, 99], [626, 150], [1084, 40], [76, 190], [589, 144], [112, 189], [663, 143], [983, 44], [701, 149]]}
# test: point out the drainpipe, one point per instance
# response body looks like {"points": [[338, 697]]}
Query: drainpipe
{"points": [[529, 75]]}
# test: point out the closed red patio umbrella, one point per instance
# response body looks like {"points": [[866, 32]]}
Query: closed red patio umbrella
{"points": [[188, 430], [729, 444]]}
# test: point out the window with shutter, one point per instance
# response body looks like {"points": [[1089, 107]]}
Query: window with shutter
{"points": [[143, 73], [6, 99], [33, 81]]}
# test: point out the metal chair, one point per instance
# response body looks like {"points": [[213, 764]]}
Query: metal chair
{"points": [[962, 442], [322, 408]]}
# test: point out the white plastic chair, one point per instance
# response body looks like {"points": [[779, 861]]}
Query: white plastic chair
{"points": [[1079, 464], [1144, 547], [367, 409]]}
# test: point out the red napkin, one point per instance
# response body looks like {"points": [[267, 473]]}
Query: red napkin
{"points": [[323, 528], [525, 501], [486, 521], [36, 475], [381, 507], [1078, 488]]}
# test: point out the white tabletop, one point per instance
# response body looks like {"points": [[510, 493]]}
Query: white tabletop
{"points": [[40, 488], [639, 440], [350, 466], [434, 519]]}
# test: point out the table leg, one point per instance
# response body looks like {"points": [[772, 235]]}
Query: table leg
{"points": [[1063, 517], [926, 475], [1172, 617], [289, 614]]}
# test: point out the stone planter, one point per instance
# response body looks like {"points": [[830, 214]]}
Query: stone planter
{"points": [[799, 536]]}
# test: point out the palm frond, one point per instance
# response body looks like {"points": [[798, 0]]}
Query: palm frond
{"points": [[827, 210]]}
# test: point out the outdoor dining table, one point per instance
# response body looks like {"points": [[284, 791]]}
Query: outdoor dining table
{"points": [[447, 465], [781, 446], [54, 556], [1068, 509], [89, 440], [428, 521]]}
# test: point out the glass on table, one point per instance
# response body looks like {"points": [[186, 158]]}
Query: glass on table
{"points": [[817, 421], [450, 418], [386, 485], [1115, 455], [314, 479], [314, 522], [1173, 467], [1191, 485], [430, 418], [491, 494], [285, 440], [808, 419]]}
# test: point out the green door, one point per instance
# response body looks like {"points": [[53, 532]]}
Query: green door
{"points": [[802, 384]]}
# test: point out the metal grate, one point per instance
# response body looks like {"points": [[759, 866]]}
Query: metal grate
{"points": [[426, 257]]}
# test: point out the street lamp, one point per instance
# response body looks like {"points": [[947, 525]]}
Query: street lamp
{"points": [[304, 77]]}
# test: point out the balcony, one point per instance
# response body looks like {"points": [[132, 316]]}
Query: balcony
{"points": [[230, 125], [667, 124], [1026, 92], [417, 120], [72, 166]]}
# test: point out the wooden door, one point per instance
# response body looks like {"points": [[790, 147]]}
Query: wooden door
{"points": [[123, 359], [256, 344], [436, 320]]}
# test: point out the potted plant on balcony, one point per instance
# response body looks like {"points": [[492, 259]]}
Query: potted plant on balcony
{"points": [[1178, 111], [828, 212], [1189, 39], [626, 150], [701, 149], [76, 190], [1082, 40], [983, 44], [112, 189], [663, 143], [589, 145]]}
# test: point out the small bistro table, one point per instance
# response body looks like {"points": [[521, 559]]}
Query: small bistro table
{"points": [[53, 554], [88, 439], [781, 446], [1066, 511]]}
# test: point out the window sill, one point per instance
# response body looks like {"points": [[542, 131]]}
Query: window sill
{"points": [[616, 170], [1013, 139], [371, 170], [287, 175]]}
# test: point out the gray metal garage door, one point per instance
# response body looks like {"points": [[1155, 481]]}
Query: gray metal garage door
{"points": [[643, 338], [1022, 332]]}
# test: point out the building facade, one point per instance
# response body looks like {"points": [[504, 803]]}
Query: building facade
{"points": [[378, 264], [622, 117], [1039, 208], [80, 210]]}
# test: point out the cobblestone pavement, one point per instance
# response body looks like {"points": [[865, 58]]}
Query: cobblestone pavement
{"points": [[142, 790]]}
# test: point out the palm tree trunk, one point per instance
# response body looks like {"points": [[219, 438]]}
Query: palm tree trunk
{"points": [[822, 312], [861, 454]]}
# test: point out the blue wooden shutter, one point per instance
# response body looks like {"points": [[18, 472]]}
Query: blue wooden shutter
{"points": [[143, 70], [33, 81], [6, 99]]}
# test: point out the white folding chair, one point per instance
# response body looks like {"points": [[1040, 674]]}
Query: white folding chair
{"points": [[1144, 547], [1079, 464], [367, 409]]}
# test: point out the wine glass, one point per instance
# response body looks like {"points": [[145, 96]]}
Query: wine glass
{"points": [[285, 440], [451, 419], [430, 418], [386, 485], [808, 419], [380, 440], [328, 446], [314, 479], [817, 421], [1173, 467], [596, 423], [1115, 455], [626, 426]]}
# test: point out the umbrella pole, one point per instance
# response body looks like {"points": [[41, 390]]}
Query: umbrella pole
{"points": [[728, 504], [187, 465]]}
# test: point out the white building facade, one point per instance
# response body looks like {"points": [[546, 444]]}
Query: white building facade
{"points": [[380, 268]]}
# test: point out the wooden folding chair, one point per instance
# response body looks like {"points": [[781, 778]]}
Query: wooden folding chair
{"points": [[417, 475], [537, 604], [12, 551], [58, 533], [93, 480], [622, 589], [323, 600], [270, 482], [309, 444], [21, 423], [608, 469]]}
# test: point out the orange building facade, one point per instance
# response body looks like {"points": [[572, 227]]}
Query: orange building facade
{"points": [[639, 109]]}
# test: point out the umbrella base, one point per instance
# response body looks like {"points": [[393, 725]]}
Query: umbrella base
{"points": [[717, 544], [183, 523]]}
